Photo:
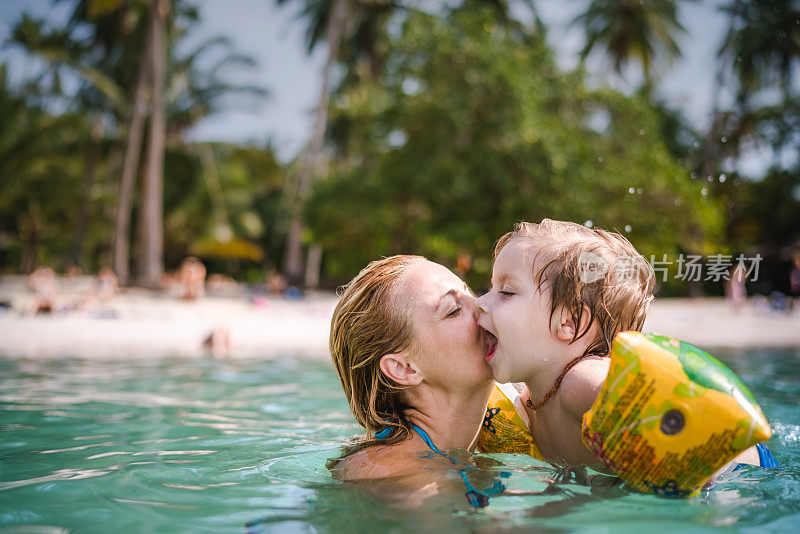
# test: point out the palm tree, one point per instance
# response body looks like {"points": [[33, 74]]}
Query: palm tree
{"points": [[104, 69], [118, 54], [130, 166], [335, 22], [762, 46], [151, 258], [760, 51], [632, 30], [352, 29]]}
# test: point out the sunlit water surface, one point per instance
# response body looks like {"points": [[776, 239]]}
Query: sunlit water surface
{"points": [[206, 445]]}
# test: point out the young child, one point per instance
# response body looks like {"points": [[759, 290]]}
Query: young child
{"points": [[560, 293]]}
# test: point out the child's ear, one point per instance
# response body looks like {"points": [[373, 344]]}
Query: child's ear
{"points": [[399, 368], [566, 329]]}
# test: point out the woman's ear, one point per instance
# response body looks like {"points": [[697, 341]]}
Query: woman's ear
{"points": [[400, 369], [566, 328]]}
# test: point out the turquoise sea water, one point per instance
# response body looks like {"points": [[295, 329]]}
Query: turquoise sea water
{"points": [[187, 445]]}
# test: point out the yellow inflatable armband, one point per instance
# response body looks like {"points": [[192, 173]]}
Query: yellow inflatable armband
{"points": [[504, 430], [669, 415]]}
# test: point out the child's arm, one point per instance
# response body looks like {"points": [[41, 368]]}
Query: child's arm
{"points": [[582, 385], [750, 456], [578, 391]]}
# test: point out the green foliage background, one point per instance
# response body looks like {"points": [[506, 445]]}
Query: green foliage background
{"points": [[470, 129], [447, 125]]}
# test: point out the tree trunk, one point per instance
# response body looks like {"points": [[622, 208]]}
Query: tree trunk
{"points": [[130, 166], [293, 259], [151, 261], [30, 235], [313, 261], [76, 250]]}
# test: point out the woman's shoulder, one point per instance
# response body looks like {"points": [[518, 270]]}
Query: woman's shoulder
{"points": [[377, 462]]}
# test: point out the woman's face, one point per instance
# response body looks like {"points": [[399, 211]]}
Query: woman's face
{"points": [[451, 344]]}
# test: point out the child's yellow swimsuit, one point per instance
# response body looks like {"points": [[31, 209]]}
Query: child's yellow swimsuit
{"points": [[505, 425]]}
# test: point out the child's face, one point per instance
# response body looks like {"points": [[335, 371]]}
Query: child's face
{"points": [[517, 314]]}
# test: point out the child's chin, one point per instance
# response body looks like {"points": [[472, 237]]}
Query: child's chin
{"points": [[499, 375]]}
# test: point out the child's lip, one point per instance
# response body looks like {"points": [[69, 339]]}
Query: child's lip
{"points": [[490, 350]]}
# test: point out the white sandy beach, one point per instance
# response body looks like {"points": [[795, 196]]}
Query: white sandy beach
{"points": [[139, 323]]}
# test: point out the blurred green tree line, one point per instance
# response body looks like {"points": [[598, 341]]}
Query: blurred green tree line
{"points": [[436, 130]]}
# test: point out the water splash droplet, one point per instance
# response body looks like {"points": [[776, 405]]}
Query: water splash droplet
{"points": [[640, 190], [628, 228], [722, 178], [588, 224], [704, 192], [631, 190], [600, 159], [724, 139], [641, 132]]}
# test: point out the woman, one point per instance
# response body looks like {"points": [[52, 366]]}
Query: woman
{"points": [[410, 356]]}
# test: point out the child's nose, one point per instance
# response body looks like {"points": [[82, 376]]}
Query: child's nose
{"points": [[480, 306]]}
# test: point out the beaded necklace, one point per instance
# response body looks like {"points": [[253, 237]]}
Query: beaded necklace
{"points": [[536, 405]]}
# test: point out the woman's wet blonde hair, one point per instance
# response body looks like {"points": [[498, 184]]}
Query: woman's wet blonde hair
{"points": [[589, 267], [369, 322]]}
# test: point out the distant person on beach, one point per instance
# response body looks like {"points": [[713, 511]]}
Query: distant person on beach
{"points": [[44, 284], [105, 284], [735, 290], [73, 271], [276, 283], [221, 284], [192, 279], [794, 276], [218, 341]]}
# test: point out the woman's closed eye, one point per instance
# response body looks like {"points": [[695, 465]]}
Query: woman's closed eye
{"points": [[506, 293], [454, 312]]}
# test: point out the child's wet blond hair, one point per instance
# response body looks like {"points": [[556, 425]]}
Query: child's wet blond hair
{"points": [[589, 267]]}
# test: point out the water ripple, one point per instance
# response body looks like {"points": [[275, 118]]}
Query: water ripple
{"points": [[191, 445], [61, 474], [787, 434]]}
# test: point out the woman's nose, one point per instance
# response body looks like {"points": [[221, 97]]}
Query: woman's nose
{"points": [[469, 302]]}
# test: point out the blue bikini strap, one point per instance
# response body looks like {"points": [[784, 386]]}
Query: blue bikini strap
{"points": [[387, 431], [384, 433], [476, 497], [427, 439]]}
